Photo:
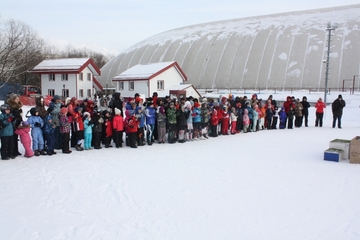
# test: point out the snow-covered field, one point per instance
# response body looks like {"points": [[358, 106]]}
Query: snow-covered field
{"points": [[265, 185]]}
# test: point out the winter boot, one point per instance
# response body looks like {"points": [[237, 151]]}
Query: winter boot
{"points": [[37, 153], [43, 152], [79, 148]]}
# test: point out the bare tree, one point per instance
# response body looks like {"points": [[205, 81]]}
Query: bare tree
{"points": [[20, 51]]}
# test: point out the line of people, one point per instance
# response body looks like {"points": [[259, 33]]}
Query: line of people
{"points": [[91, 125]]}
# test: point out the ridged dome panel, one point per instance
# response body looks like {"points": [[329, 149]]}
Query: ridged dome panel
{"points": [[275, 51]]}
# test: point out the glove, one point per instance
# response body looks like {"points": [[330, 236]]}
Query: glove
{"points": [[10, 119], [37, 124]]}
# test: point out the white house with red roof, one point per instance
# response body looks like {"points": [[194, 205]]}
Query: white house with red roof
{"points": [[68, 77], [150, 78]]}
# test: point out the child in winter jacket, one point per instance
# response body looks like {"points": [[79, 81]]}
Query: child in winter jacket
{"points": [[36, 123], [132, 128], [225, 121], [87, 131], [233, 119], [97, 130], [65, 126], [290, 117], [214, 121], [246, 121], [275, 118], [118, 128], [269, 117], [7, 133], [49, 132], [150, 122], [161, 124], [23, 130], [282, 118], [107, 128]]}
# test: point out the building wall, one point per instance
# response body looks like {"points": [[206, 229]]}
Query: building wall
{"points": [[86, 85], [140, 87], [73, 84], [170, 77], [273, 51]]}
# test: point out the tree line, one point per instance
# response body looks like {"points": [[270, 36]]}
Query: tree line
{"points": [[21, 49]]}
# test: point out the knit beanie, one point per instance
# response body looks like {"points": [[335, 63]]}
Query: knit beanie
{"points": [[63, 110], [117, 111]]}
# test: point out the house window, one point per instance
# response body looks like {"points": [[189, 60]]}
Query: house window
{"points": [[64, 77], [81, 93], [160, 85], [51, 92], [81, 76], [131, 86], [89, 93], [51, 77], [89, 76], [65, 93], [121, 85]]}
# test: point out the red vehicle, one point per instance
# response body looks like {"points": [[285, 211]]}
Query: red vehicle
{"points": [[29, 93]]}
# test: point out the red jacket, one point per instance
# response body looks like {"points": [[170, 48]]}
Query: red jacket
{"points": [[320, 105], [288, 103], [214, 120], [132, 124], [118, 123], [108, 127]]}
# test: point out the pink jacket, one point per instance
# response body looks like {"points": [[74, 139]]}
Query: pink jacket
{"points": [[24, 134]]}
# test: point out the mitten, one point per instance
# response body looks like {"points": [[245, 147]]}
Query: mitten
{"points": [[10, 119], [37, 124]]}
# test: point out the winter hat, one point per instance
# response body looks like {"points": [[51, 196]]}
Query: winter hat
{"points": [[25, 123], [304, 98], [73, 99], [63, 110], [56, 97], [86, 114], [117, 111], [33, 111], [339, 96]]}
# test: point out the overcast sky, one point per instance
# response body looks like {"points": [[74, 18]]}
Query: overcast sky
{"points": [[112, 26]]}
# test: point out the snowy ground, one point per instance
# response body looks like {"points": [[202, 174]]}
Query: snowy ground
{"points": [[265, 185]]}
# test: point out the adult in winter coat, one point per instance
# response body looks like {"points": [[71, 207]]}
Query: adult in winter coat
{"points": [[287, 104], [298, 113], [40, 105], [55, 105], [320, 106], [337, 109], [116, 102], [305, 110], [16, 112]]}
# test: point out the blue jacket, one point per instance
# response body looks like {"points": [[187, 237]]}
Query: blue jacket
{"points": [[87, 126], [140, 117], [150, 115], [197, 113], [8, 129], [48, 127]]}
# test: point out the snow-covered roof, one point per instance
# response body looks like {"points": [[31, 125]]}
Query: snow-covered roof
{"points": [[147, 71], [71, 65]]}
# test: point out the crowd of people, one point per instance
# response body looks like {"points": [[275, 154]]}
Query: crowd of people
{"points": [[103, 122]]}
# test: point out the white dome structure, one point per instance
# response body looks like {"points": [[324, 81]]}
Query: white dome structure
{"points": [[279, 51]]}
